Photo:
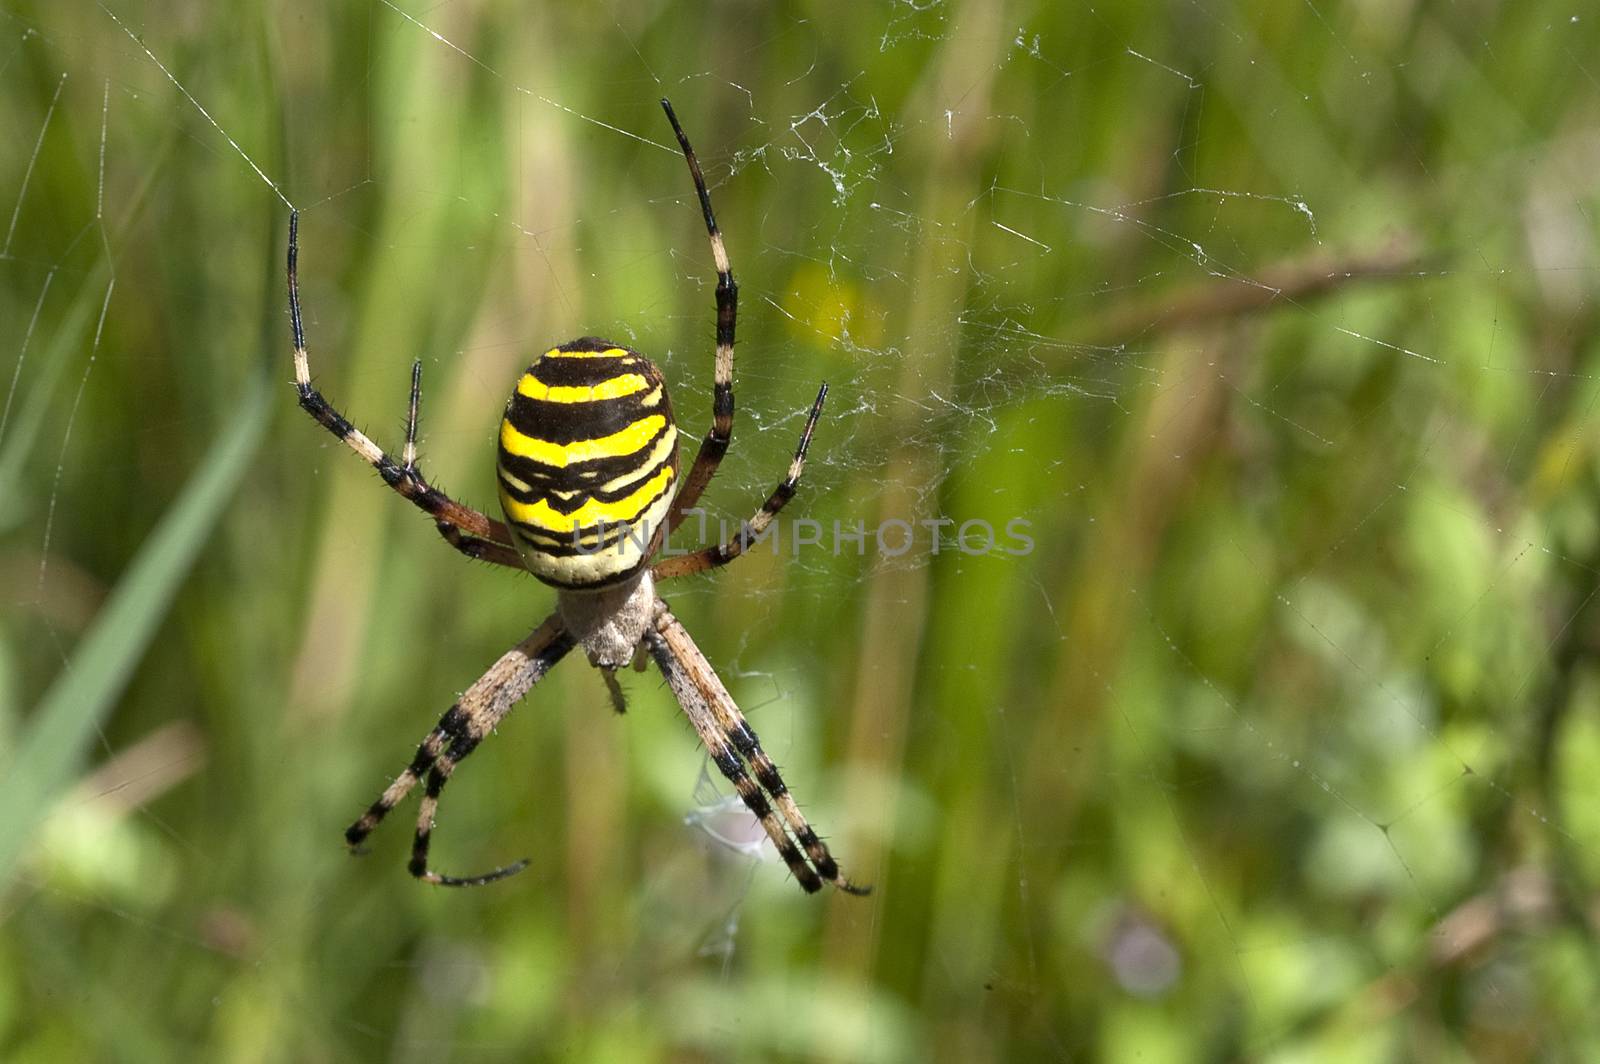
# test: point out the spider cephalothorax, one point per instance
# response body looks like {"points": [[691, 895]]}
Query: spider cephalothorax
{"points": [[589, 482]]}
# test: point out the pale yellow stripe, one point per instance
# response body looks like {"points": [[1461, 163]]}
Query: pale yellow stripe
{"points": [[514, 481], [618, 386], [561, 455]]}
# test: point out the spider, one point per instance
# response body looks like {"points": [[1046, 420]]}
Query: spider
{"points": [[588, 481]]}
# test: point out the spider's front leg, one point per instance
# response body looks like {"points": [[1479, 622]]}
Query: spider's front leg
{"points": [[473, 716], [720, 554], [717, 438], [472, 533]]}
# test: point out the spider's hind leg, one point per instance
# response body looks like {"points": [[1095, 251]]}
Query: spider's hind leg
{"points": [[732, 745], [473, 716], [450, 726]]}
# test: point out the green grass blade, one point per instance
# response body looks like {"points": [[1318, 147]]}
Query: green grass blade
{"points": [[57, 734]]}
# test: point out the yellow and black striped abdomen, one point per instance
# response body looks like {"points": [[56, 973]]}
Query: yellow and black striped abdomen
{"points": [[588, 463]]}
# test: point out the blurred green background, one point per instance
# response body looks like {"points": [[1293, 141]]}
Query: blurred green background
{"points": [[1275, 323]]}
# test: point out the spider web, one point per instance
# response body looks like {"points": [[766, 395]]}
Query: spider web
{"points": [[1185, 618]]}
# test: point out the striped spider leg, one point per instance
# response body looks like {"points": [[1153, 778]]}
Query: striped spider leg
{"points": [[720, 554], [733, 745], [472, 533], [716, 441], [464, 725]]}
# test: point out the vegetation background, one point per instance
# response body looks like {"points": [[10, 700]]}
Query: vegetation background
{"points": [[1276, 322]]}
